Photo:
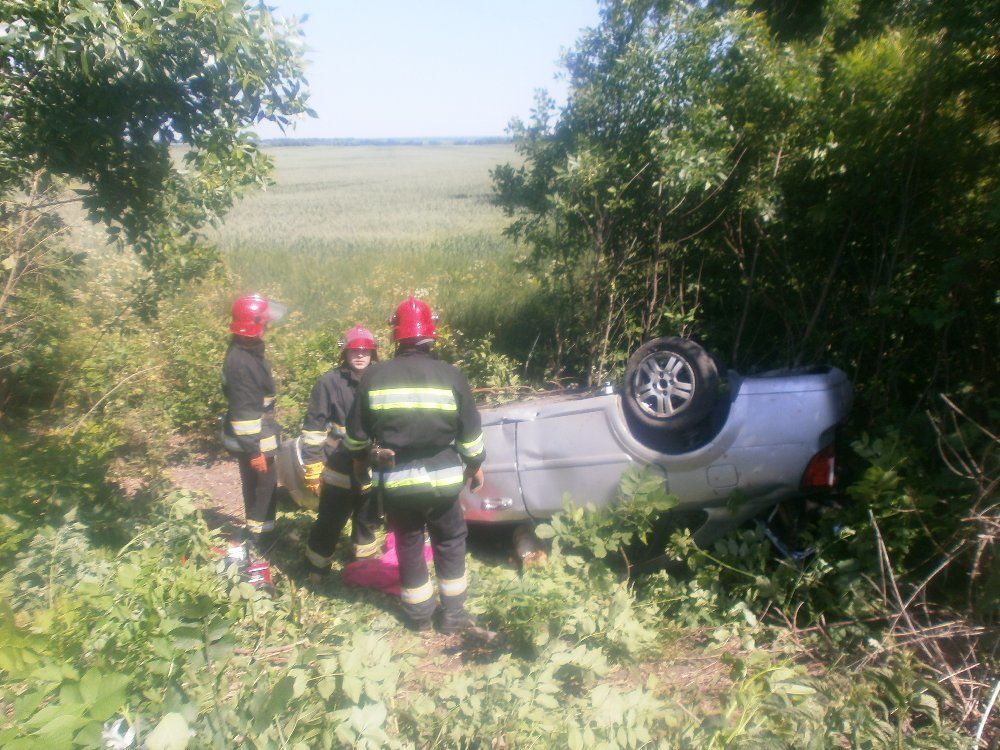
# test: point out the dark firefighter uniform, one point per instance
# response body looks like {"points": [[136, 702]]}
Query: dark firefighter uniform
{"points": [[250, 427], [422, 409], [340, 493]]}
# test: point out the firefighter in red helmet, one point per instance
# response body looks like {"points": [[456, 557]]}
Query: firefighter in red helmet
{"points": [[327, 463], [415, 421], [250, 430]]}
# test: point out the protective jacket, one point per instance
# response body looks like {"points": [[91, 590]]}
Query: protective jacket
{"points": [[323, 428], [250, 424], [423, 410]]}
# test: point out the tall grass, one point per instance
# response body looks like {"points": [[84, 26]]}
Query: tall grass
{"points": [[345, 232]]}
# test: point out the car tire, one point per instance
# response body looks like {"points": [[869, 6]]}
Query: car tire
{"points": [[671, 384]]}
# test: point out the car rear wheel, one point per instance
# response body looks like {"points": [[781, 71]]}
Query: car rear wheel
{"points": [[670, 384]]}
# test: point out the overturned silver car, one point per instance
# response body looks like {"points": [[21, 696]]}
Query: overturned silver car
{"points": [[728, 447]]}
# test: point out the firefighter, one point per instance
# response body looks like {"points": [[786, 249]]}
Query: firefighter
{"points": [[328, 470], [250, 430], [414, 420]]}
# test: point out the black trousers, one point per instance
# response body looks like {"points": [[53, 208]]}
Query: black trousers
{"points": [[259, 503], [445, 522], [336, 505]]}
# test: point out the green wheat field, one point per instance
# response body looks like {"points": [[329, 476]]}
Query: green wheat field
{"points": [[346, 231]]}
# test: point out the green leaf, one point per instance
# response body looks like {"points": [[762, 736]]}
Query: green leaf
{"points": [[794, 688], [325, 687], [352, 687], [172, 733], [26, 704], [59, 731], [301, 681], [110, 696]]}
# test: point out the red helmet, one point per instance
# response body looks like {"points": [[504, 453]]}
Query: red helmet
{"points": [[413, 319], [252, 313], [358, 337]]}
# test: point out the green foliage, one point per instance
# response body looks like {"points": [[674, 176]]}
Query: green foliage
{"points": [[643, 500], [154, 630], [485, 367], [897, 507], [542, 703], [788, 187], [52, 480], [97, 90], [578, 597], [37, 270]]}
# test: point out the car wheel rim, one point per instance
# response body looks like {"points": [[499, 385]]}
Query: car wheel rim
{"points": [[663, 385]]}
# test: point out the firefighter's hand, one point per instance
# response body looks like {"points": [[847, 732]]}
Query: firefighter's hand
{"points": [[259, 463], [476, 479], [312, 476], [362, 474]]}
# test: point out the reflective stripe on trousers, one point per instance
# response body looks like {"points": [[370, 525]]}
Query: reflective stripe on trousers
{"points": [[453, 586], [317, 560], [336, 479], [339, 479], [417, 595], [362, 551]]}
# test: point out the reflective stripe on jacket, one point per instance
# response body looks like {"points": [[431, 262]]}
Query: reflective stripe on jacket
{"points": [[323, 427], [249, 389], [423, 410]]}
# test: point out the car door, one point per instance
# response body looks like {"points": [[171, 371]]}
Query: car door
{"points": [[570, 447]]}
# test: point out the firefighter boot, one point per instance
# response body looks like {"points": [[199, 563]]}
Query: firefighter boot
{"points": [[452, 617], [454, 620]]}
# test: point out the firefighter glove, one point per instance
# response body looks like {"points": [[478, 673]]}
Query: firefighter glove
{"points": [[312, 476], [259, 463]]}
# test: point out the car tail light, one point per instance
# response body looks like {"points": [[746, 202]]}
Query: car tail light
{"points": [[820, 473]]}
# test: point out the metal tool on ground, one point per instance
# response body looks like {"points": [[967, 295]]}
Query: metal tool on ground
{"points": [[255, 572]]}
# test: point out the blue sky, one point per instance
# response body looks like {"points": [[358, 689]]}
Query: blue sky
{"points": [[432, 68]]}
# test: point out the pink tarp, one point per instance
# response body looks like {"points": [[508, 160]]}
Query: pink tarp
{"points": [[381, 573]]}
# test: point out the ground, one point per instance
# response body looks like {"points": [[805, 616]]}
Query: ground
{"points": [[218, 478]]}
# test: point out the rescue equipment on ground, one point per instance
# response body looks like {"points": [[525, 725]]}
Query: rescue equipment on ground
{"points": [[382, 572], [255, 572]]}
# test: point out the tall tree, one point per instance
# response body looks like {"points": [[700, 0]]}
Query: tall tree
{"points": [[791, 181], [96, 95], [97, 91]]}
